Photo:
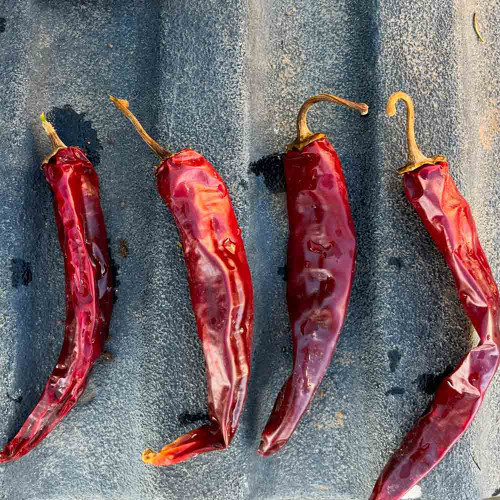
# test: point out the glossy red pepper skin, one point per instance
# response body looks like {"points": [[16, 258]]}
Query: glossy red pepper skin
{"points": [[448, 219], [221, 295], [321, 262], [89, 294]]}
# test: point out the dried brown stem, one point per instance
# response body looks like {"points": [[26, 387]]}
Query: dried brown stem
{"points": [[160, 151], [304, 134], [55, 140], [415, 157]]}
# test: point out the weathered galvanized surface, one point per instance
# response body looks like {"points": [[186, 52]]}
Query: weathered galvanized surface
{"points": [[227, 78]]}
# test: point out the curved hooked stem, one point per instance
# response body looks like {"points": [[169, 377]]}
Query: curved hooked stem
{"points": [[55, 140], [160, 151], [415, 157], [304, 134]]}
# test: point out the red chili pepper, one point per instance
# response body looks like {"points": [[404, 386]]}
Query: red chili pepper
{"points": [[221, 291], [89, 291], [321, 261], [448, 219]]}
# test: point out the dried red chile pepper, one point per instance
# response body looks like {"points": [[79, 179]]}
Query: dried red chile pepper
{"points": [[448, 219], [321, 261], [220, 286], [89, 291]]}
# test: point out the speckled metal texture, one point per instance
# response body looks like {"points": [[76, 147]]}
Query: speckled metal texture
{"points": [[227, 78]]}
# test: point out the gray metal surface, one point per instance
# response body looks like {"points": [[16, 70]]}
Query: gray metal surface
{"points": [[227, 78]]}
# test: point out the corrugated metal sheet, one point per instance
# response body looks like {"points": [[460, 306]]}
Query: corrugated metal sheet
{"points": [[227, 78]]}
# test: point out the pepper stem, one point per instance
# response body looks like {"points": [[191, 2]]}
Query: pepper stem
{"points": [[160, 151], [304, 134], [415, 157], [55, 140]]}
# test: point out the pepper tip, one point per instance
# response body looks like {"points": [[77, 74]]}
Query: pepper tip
{"points": [[148, 456], [42, 117]]}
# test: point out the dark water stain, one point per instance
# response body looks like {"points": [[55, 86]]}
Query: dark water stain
{"points": [[115, 271], [395, 391], [283, 272], [395, 262], [21, 272], [429, 382], [2, 24], [107, 357], [287, 349], [16, 399], [74, 130], [89, 394], [123, 249], [271, 167], [190, 418], [496, 492], [394, 359]]}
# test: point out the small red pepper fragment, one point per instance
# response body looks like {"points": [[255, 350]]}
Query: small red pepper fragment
{"points": [[321, 261], [448, 219], [220, 286], [89, 290]]}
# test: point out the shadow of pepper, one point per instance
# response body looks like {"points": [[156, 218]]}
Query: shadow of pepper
{"points": [[271, 168], [40, 305], [267, 337], [455, 335], [74, 130]]}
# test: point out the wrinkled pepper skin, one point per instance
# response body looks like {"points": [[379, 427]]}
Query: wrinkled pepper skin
{"points": [[89, 294], [221, 295], [321, 262], [448, 219]]}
